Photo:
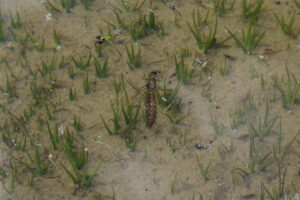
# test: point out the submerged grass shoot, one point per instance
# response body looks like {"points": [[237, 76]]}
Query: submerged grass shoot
{"points": [[222, 9], [265, 127], [248, 41], [38, 166], [203, 170], [286, 28], [81, 63], [1, 27], [101, 71], [134, 59], [56, 38], [119, 20], [182, 72], [168, 97], [82, 178], [67, 4], [204, 41], [290, 92], [143, 27], [87, 3], [127, 109], [15, 23], [86, 85], [53, 137], [251, 12], [72, 94], [217, 127]]}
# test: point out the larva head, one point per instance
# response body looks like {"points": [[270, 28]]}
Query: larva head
{"points": [[155, 75]]}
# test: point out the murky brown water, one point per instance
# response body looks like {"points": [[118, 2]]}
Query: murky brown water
{"points": [[167, 159]]}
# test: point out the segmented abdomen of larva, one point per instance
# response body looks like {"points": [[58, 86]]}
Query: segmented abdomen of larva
{"points": [[151, 106]]}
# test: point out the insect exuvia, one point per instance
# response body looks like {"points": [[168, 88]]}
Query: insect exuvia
{"points": [[150, 103]]}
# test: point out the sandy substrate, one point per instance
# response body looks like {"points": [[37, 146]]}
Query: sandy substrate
{"points": [[164, 164]]}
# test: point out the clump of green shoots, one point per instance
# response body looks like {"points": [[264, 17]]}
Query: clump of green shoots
{"points": [[203, 170], [53, 137], [223, 149], [39, 46], [38, 166], [256, 160], [9, 90], [143, 27], [47, 68], [101, 71], [71, 72], [297, 4], [56, 38], [77, 124], [78, 161], [119, 20], [86, 3], [72, 94], [182, 71], [238, 116], [98, 49], [276, 193], [76, 158], [151, 24], [134, 59], [130, 115], [224, 69], [81, 63], [265, 127], [288, 95], [251, 12], [67, 4], [131, 7], [86, 85], [116, 120], [168, 97], [204, 41], [1, 28], [127, 110], [221, 8], [286, 28], [15, 24], [217, 127], [248, 41], [198, 20]]}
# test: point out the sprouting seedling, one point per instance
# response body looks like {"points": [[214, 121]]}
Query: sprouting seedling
{"points": [[204, 41], [1, 28], [203, 170], [221, 8], [297, 4], [86, 3], [119, 20], [286, 28], [101, 71], [134, 59], [81, 63], [289, 94], [251, 13], [67, 4], [56, 37], [15, 24], [248, 41], [72, 94], [182, 71]]}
